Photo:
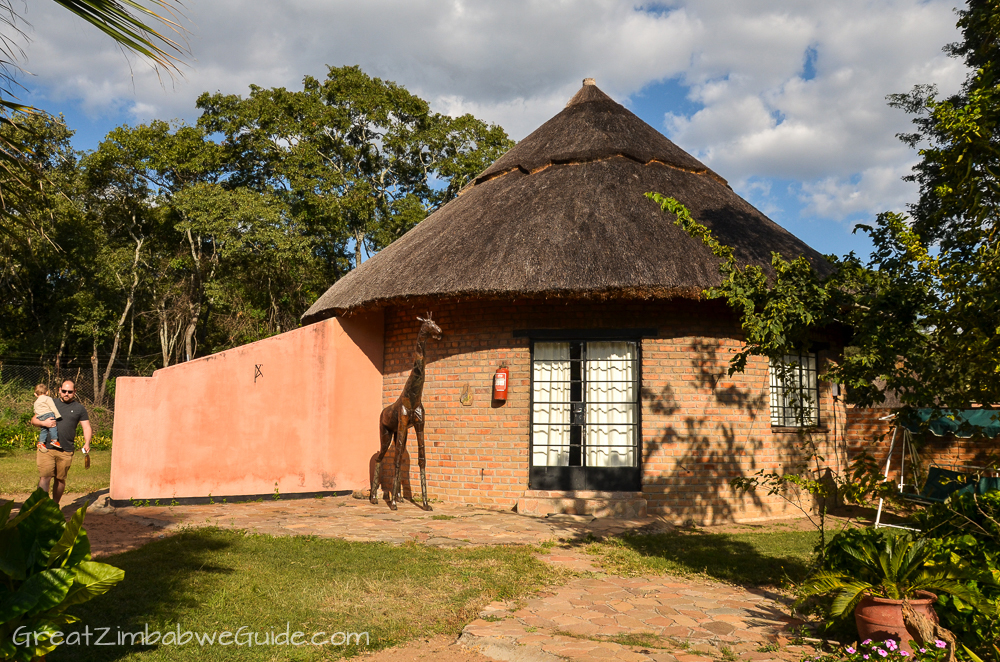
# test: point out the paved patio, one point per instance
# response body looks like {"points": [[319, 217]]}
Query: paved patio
{"points": [[593, 616]]}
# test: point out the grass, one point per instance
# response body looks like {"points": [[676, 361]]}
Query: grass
{"points": [[207, 580], [755, 559], [19, 474]]}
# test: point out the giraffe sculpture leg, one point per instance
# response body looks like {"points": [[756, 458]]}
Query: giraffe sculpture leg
{"points": [[422, 460], [387, 436], [404, 423]]}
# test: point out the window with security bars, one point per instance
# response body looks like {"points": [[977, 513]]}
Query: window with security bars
{"points": [[795, 391], [584, 404]]}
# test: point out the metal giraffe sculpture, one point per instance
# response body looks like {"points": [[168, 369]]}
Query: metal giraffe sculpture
{"points": [[405, 413]]}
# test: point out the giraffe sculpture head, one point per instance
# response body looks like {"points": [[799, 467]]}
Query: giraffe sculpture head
{"points": [[429, 328]]}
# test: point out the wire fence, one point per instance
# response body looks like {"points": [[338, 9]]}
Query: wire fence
{"points": [[17, 394], [27, 376]]}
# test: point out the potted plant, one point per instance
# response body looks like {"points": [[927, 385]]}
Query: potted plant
{"points": [[876, 573]]}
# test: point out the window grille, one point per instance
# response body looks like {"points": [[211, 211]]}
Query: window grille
{"points": [[585, 399], [795, 391]]}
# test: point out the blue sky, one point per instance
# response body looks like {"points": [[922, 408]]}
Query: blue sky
{"points": [[784, 99]]}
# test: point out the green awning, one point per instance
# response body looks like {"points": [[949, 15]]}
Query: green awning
{"points": [[958, 422]]}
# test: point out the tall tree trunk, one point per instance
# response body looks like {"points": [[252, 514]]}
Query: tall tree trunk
{"points": [[198, 280], [130, 300], [131, 339], [168, 335], [62, 346], [190, 344], [97, 373], [359, 240]]}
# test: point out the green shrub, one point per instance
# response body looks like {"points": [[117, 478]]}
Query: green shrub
{"points": [[974, 514], [858, 559], [18, 434], [967, 527], [45, 568]]}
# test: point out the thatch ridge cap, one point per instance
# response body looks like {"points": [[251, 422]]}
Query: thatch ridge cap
{"points": [[592, 125]]}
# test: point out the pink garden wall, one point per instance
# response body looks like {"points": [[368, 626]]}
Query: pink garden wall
{"points": [[298, 411]]}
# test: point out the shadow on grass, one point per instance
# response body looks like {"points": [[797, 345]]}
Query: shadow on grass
{"points": [[750, 559], [156, 589], [209, 581]]}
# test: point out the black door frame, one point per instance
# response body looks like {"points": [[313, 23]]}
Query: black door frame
{"points": [[583, 478]]}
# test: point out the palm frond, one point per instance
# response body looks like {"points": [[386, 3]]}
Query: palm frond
{"points": [[129, 24], [830, 582], [952, 586], [866, 555], [848, 598]]}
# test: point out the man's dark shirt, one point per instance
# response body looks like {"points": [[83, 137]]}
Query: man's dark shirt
{"points": [[72, 413]]}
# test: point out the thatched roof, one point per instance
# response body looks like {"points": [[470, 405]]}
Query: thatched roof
{"points": [[563, 214]]}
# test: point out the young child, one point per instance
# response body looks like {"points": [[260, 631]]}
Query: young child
{"points": [[45, 407]]}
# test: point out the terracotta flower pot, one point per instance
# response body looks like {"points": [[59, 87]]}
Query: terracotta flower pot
{"points": [[879, 619]]}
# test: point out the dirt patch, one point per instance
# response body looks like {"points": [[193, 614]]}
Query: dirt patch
{"points": [[108, 533], [435, 649]]}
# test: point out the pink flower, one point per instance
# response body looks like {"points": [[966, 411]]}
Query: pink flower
{"points": [[923, 650], [866, 657], [881, 652], [866, 642], [904, 653], [850, 650], [890, 644], [940, 644]]}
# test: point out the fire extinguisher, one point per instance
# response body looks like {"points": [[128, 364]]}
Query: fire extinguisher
{"points": [[500, 383]]}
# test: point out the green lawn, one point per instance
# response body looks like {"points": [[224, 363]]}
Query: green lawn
{"points": [[209, 580], [766, 558], [18, 473]]}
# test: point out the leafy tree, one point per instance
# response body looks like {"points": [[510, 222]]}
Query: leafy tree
{"points": [[35, 269], [167, 241], [358, 156], [127, 22], [924, 312]]}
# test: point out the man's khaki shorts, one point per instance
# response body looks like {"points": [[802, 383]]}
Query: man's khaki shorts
{"points": [[53, 463]]}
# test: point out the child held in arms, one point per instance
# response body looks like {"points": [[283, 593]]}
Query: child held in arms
{"points": [[45, 408]]}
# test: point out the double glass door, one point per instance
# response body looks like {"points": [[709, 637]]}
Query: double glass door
{"points": [[585, 416]]}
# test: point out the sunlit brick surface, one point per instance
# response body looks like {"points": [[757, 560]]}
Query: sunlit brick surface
{"points": [[700, 427]]}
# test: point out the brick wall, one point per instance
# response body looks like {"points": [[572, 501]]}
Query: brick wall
{"points": [[867, 433], [700, 428]]}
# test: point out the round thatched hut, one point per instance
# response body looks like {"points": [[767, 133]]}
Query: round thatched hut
{"points": [[553, 262]]}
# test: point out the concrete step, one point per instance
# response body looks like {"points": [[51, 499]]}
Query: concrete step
{"points": [[623, 505]]}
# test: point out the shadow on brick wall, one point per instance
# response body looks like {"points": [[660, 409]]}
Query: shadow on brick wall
{"points": [[708, 451]]}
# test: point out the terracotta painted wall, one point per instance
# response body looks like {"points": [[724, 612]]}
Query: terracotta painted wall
{"points": [[307, 423], [700, 427]]}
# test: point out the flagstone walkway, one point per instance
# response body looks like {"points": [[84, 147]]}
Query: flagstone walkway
{"points": [[448, 525], [592, 617]]}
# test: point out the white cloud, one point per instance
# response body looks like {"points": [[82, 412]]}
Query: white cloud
{"points": [[517, 62], [873, 190]]}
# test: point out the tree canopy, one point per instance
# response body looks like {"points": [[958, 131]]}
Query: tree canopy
{"points": [[170, 241], [922, 314]]}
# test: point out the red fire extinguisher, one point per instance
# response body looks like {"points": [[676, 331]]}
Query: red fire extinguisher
{"points": [[500, 383]]}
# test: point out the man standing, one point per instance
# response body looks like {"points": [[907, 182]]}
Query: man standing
{"points": [[53, 462]]}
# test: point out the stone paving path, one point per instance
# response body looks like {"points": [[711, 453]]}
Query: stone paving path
{"points": [[647, 619], [448, 525], [593, 617]]}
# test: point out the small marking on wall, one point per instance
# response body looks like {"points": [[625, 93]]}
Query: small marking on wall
{"points": [[466, 395], [256, 372]]}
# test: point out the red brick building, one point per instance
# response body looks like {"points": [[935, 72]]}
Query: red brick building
{"points": [[554, 263]]}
